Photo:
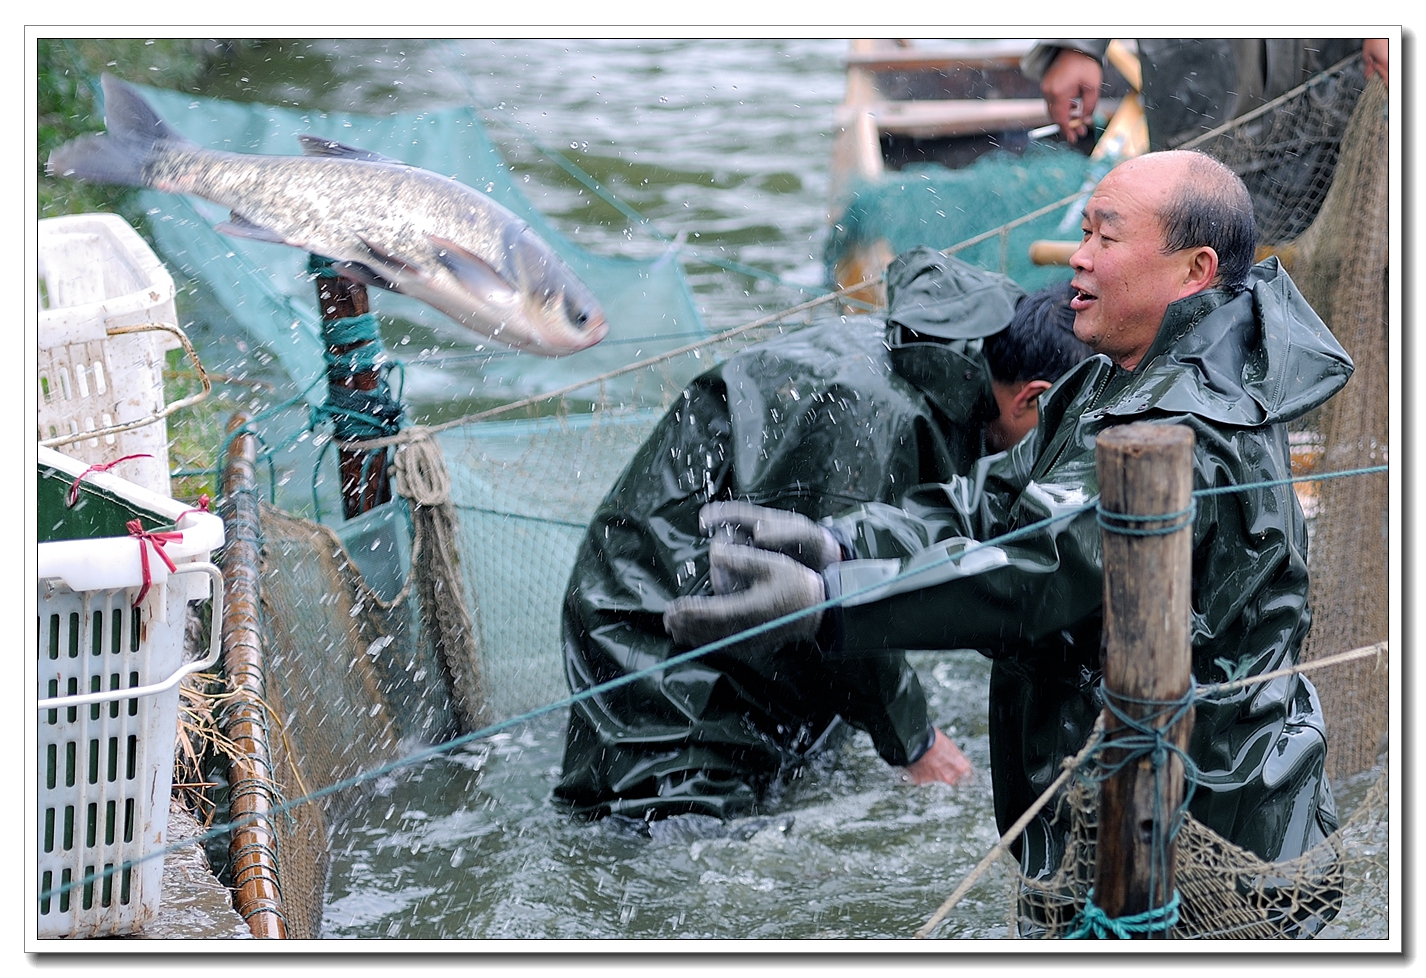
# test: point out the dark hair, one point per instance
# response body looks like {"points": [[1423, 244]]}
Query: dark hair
{"points": [[1039, 343], [1211, 206]]}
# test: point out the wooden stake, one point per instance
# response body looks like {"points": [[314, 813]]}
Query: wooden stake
{"points": [[341, 298], [1144, 470]]}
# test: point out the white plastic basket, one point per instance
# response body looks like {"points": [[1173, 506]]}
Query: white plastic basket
{"points": [[108, 676], [106, 322]]}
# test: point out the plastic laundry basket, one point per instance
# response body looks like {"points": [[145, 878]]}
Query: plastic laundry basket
{"points": [[107, 318], [108, 674]]}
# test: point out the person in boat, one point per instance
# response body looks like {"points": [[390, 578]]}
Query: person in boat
{"points": [[1193, 85], [850, 411], [1189, 332]]}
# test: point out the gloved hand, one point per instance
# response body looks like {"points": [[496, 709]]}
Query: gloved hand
{"points": [[767, 585], [782, 530]]}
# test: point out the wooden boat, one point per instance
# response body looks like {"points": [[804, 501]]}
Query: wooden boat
{"points": [[944, 102]]}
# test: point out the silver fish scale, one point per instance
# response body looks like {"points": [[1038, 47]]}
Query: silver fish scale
{"points": [[327, 206]]}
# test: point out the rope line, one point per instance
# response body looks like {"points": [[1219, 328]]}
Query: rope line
{"points": [[1071, 765], [691, 655], [1180, 520]]}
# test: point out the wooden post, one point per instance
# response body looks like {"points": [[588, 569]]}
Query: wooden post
{"points": [[1144, 470], [341, 298]]}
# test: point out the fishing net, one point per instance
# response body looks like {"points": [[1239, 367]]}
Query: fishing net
{"points": [[1340, 263], [334, 710], [939, 207], [1224, 891], [1287, 150]]}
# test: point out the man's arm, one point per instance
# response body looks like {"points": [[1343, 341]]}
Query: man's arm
{"points": [[1070, 71], [959, 592]]}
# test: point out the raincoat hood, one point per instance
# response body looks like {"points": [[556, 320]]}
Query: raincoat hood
{"points": [[957, 305], [940, 295], [1259, 357]]}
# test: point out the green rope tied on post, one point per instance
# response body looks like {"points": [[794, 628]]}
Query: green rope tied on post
{"points": [[1115, 522], [355, 414], [1094, 923], [1138, 737], [371, 355]]}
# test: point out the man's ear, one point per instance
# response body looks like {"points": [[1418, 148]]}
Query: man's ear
{"points": [[1027, 398], [1201, 271]]}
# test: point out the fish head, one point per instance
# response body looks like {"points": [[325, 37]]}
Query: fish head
{"points": [[562, 314], [525, 296]]}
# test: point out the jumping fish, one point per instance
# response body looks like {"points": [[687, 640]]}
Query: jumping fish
{"points": [[383, 222]]}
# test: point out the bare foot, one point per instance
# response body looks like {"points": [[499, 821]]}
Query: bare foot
{"points": [[943, 762]]}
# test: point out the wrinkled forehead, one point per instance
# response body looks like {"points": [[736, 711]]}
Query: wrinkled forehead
{"points": [[1126, 204], [1136, 187]]}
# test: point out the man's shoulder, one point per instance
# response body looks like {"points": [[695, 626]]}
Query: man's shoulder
{"points": [[1075, 389]]}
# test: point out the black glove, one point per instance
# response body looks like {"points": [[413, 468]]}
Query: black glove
{"points": [[782, 530], [765, 585]]}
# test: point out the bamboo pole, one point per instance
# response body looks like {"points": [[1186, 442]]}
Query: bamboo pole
{"points": [[253, 848], [1144, 470]]}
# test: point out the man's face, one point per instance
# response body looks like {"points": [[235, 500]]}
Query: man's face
{"points": [[1124, 280]]}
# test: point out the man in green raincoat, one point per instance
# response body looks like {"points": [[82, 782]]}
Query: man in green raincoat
{"points": [[1191, 333], [851, 411]]}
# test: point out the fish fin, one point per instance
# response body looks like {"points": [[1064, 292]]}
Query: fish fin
{"points": [[472, 270], [240, 227], [135, 137], [317, 146], [364, 274], [127, 115], [396, 265]]}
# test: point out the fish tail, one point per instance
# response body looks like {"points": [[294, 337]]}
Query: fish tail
{"points": [[136, 137]]}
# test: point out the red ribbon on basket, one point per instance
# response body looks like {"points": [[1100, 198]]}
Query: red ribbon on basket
{"points": [[203, 504], [157, 540], [101, 467]]}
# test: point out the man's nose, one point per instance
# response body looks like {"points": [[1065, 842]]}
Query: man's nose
{"points": [[1079, 261]]}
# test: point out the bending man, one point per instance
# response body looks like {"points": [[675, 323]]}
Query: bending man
{"points": [[852, 411]]}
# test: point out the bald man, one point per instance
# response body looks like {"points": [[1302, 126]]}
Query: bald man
{"points": [[1190, 332]]}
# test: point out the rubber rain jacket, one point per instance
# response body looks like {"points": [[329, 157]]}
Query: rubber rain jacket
{"points": [[816, 421], [1232, 368]]}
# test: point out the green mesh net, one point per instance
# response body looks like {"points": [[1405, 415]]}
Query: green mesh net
{"points": [[939, 207]]}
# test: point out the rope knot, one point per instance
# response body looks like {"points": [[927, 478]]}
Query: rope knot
{"points": [[1132, 525], [1093, 922], [157, 540], [421, 474]]}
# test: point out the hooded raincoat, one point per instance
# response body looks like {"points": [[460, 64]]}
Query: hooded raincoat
{"points": [[1232, 368], [817, 421]]}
